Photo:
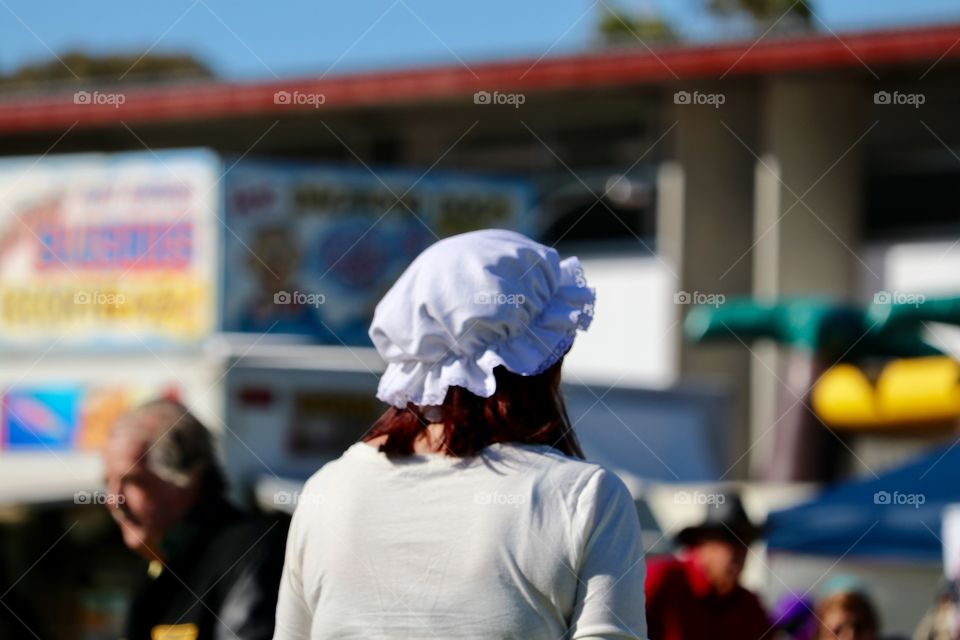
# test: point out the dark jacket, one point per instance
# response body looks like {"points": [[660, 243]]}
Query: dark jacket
{"points": [[219, 579], [681, 605]]}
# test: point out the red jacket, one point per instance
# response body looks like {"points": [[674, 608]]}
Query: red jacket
{"points": [[681, 605]]}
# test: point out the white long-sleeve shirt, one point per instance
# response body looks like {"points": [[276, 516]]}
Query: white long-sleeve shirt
{"points": [[520, 542]]}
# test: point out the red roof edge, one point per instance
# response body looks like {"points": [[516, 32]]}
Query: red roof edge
{"points": [[675, 64]]}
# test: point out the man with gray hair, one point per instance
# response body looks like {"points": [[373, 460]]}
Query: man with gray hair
{"points": [[213, 571]]}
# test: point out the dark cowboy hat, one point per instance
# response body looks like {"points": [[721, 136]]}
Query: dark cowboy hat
{"points": [[725, 519]]}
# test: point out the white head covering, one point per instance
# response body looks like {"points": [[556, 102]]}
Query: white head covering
{"points": [[470, 303]]}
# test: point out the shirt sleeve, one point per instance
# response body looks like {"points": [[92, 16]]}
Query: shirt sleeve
{"points": [[293, 619], [610, 593]]}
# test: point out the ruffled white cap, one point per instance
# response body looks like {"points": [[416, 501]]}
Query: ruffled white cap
{"points": [[470, 303]]}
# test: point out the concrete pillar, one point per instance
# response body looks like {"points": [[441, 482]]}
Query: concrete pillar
{"points": [[806, 213], [705, 230]]}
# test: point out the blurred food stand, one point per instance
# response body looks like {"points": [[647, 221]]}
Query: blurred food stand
{"points": [[244, 287]]}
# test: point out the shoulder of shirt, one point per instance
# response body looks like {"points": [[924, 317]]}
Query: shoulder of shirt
{"points": [[344, 463], [556, 463], [588, 483], [318, 476], [544, 457]]}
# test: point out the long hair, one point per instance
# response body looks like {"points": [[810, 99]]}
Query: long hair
{"points": [[523, 410]]}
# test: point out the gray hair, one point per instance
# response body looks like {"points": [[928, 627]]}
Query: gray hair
{"points": [[179, 448]]}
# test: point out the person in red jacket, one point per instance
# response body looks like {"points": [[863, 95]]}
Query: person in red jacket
{"points": [[697, 595]]}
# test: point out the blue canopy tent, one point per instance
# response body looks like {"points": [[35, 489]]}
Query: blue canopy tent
{"points": [[896, 516]]}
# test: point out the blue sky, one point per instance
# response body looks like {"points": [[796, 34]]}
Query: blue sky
{"points": [[243, 39]]}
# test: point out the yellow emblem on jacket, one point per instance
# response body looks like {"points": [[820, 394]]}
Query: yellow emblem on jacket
{"points": [[174, 632]]}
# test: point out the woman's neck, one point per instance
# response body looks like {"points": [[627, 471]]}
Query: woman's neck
{"points": [[430, 441]]}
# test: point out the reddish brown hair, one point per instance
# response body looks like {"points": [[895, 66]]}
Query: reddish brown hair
{"points": [[523, 409]]}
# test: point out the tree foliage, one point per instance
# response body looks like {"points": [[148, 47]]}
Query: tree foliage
{"points": [[617, 27], [77, 67], [789, 13]]}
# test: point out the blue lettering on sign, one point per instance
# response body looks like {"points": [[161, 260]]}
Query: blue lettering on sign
{"points": [[122, 246]]}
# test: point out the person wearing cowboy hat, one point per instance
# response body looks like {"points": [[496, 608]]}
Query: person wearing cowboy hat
{"points": [[698, 595]]}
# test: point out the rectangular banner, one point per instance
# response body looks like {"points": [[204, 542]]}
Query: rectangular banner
{"points": [[311, 249], [108, 250]]}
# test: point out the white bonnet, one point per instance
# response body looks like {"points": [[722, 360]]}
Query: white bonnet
{"points": [[471, 302]]}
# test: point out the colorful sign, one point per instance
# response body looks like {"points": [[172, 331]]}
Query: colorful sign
{"points": [[108, 250], [67, 417], [312, 248], [44, 419]]}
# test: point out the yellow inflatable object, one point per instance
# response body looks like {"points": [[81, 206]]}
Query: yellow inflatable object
{"points": [[907, 392]]}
